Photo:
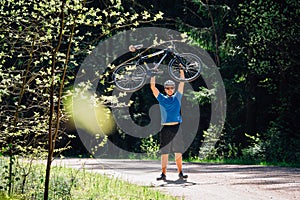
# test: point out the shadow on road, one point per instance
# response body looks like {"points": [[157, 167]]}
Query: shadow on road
{"points": [[179, 183]]}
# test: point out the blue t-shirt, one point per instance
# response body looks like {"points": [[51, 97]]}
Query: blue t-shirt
{"points": [[170, 107]]}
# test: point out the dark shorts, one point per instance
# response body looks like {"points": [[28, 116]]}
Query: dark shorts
{"points": [[171, 139]]}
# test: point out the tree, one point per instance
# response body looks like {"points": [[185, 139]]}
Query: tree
{"points": [[268, 38], [42, 45]]}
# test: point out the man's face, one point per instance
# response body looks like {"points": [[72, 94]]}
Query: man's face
{"points": [[169, 90]]}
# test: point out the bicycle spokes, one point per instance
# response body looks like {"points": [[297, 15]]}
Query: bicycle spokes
{"points": [[189, 63], [129, 77]]}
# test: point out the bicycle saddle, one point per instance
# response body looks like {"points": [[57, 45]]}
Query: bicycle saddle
{"points": [[134, 48]]}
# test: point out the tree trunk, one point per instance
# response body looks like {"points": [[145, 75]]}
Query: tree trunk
{"points": [[51, 135], [251, 105]]}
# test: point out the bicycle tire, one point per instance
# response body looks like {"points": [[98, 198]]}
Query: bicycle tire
{"points": [[193, 67], [129, 77]]}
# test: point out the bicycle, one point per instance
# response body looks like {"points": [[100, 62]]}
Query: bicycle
{"points": [[131, 77]]}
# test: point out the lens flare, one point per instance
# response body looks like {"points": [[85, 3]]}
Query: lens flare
{"points": [[90, 115]]}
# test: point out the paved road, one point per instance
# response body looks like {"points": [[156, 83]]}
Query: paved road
{"points": [[205, 182]]}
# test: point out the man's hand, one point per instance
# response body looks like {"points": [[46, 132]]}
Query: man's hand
{"points": [[181, 84], [155, 91]]}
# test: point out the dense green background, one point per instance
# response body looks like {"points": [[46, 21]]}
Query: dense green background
{"points": [[255, 45]]}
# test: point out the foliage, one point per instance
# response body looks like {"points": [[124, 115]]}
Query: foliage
{"points": [[69, 183], [150, 146], [42, 45], [255, 151], [269, 36], [266, 24], [202, 97], [254, 44]]}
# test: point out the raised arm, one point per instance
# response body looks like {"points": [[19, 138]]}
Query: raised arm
{"points": [[181, 84], [155, 91]]}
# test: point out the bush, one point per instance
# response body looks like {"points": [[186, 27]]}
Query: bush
{"points": [[150, 146], [281, 146], [255, 151]]}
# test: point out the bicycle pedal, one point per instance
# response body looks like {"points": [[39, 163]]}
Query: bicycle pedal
{"points": [[159, 72]]}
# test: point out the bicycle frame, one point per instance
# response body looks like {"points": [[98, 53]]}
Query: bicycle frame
{"points": [[132, 76], [166, 52]]}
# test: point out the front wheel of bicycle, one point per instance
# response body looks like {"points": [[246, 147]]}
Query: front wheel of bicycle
{"points": [[129, 77], [191, 65]]}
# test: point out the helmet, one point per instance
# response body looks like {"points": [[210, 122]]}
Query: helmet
{"points": [[169, 83]]}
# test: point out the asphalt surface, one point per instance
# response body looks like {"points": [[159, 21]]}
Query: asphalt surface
{"points": [[205, 182]]}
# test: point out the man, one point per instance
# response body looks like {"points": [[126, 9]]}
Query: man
{"points": [[170, 105]]}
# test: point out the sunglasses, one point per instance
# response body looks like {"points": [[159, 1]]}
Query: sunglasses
{"points": [[169, 88]]}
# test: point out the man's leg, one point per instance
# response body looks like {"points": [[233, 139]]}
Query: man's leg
{"points": [[178, 159], [164, 163]]}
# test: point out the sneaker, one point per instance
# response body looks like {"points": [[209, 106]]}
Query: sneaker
{"points": [[162, 177], [181, 176]]}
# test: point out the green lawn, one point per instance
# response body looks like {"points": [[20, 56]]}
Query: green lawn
{"points": [[245, 162], [67, 184]]}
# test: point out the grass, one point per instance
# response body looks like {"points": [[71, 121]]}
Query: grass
{"points": [[3, 196], [68, 183], [245, 162], [96, 186]]}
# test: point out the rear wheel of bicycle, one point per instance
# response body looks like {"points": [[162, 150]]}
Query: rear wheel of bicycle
{"points": [[130, 77], [190, 63]]}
